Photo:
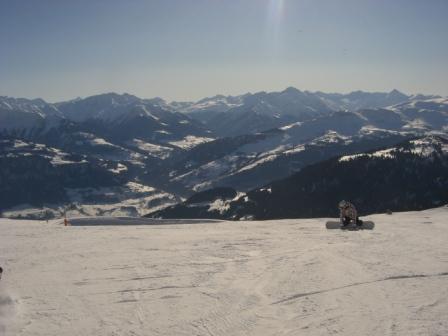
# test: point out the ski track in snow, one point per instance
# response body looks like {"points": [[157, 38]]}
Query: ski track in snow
{"points": [[396, 277], [288, 277]]}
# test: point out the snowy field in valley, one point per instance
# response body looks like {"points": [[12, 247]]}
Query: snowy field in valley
{"points": [[286, 277]]}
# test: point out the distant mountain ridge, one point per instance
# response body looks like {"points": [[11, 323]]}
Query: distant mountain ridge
{"points": [[113, 138], [118, 114], [177, 149], [411, 175], [246, 161], [237, 115], [285, 106]]}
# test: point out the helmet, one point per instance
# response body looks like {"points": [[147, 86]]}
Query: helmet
{"points": [[343, 204]]}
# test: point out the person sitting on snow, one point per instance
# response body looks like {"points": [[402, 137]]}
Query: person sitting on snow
{"points": [[348, 213]]}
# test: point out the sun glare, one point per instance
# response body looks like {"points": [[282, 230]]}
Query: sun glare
{"points": [[275, 17], [276, 10]]}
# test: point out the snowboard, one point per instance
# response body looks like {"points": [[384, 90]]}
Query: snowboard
{"points": [[366, 225]]}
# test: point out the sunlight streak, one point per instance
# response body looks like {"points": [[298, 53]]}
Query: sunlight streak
{"points": [[276, 12], [274, 23]]}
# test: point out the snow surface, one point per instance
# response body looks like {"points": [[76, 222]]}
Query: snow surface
{"points": [[262, 160], [190, 141], [297, 149], [151, 149], [386, 154], [119, 169], [93, 140], [423, 147], [331, 137], [218, 104], [286, 277]]}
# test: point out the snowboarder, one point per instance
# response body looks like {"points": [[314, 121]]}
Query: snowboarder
{"points": [[1, 272], [348, 213]]}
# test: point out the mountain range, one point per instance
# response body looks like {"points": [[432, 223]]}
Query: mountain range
{"points": [[138, 149], [409, 176], [249, 113]]}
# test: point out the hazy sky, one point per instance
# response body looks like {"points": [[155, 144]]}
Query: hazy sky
{"points": [[188, 49]]}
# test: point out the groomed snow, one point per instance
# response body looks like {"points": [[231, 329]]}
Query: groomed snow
{"points": [[286, 277]]}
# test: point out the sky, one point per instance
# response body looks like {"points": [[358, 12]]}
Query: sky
{"points": [[190, 49]]}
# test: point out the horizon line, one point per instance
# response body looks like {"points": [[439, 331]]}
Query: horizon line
{"points": [[217, 94]]}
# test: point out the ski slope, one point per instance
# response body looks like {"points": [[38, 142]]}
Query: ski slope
{"points": [[288, 277]]}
